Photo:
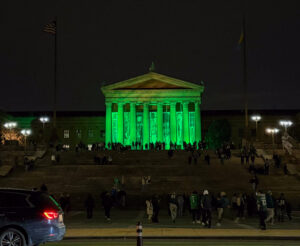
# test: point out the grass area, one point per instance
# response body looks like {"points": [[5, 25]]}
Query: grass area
{"points": [[176, 243]]}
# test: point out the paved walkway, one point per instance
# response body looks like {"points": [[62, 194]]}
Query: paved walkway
{"points": [[123, 226], [180, 232]]}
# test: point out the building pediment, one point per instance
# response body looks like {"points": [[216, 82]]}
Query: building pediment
{"points": [[152, 81], [151, 84]]}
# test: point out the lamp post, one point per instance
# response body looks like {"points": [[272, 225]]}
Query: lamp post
{"points": [[285, 124], [10, 125], [26, 133], [44, 119], [272, 131], [256, 118]]}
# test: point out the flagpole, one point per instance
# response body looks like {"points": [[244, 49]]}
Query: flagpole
{"points": [[245, 76], [55, 75]]}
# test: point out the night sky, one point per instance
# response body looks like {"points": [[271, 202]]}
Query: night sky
{"points": [[109, 41]]}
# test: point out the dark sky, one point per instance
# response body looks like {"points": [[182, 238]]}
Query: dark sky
{"points": [[109, 41]]}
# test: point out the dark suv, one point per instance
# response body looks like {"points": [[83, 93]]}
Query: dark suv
{"points": [[29, 218]]}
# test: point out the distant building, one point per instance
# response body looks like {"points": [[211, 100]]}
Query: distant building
{"points": [[153, 108], [147, 109]]}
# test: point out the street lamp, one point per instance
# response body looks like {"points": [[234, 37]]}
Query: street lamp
{"points": [[285, 124], [10, 126], [26, 133], [272, 131], [256, 118], [44, 119]]}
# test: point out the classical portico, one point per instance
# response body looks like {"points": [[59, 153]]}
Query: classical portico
{"points": [[153, 108]]}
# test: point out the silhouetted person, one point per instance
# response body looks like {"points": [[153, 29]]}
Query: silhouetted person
{"points": [[44, 188], [155, 204], [262, 209], [207, 159], [89, 205], [62, 202], [107, 204]]}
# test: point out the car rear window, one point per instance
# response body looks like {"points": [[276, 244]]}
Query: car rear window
{"points": [[43, 200], [14, 200]]}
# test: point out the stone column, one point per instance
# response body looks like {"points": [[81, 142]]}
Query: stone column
{"points": [[108, 124], [173, 121], [120, 122], [186, 132], [132, 123], [197, 122], [160, 122], [146, 125]]}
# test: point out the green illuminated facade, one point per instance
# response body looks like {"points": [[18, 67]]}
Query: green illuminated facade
{"points": [[153, 108]]}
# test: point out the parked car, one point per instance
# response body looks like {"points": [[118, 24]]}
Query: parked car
{"points": [[29, 218]]}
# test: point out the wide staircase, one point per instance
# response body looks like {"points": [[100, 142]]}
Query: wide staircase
{"points": [[77, 174]]}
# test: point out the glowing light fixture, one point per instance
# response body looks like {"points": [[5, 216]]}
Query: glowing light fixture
{"points": [[10, 125], [256, 118], [44, 119], [272, 132], [285, 123], [25, 133]]}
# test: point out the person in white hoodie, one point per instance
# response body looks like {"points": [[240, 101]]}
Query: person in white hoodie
{"points": [[149, 210]]}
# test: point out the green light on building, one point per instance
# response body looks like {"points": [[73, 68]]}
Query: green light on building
{"points": [[153, 108]]}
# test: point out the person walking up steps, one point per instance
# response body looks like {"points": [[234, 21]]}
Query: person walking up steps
{"points": [[180, 202], [173, 206], [262, 209], [194, 205], [89, 205], [270, 207], [207, 208], [149, 210]]}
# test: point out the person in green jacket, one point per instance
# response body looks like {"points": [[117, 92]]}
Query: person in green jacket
{"points": [[262, 209], [194, 204], [270, 207]]}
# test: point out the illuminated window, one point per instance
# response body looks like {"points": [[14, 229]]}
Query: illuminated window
{"points": [[90, 133], [66, 134], [78, 133]]}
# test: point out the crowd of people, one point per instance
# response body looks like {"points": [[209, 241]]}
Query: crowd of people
{"points": [[202, 205], [103, 159], [199, 205]]}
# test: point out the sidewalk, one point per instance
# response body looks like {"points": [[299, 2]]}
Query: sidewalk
{"points": [[123, 225], [182, 233]]}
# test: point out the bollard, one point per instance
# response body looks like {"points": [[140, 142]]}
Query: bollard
{"points": [[139, 232]]}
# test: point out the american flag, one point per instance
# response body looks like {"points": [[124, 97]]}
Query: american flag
{"points": [[50, 27]]}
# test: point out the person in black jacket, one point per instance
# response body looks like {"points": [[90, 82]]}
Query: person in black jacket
{"points": [[89, 205], [107, 204], [155, 204], [206, 208]]}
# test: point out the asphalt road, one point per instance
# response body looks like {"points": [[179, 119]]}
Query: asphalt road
{"points": [[167, 242]]}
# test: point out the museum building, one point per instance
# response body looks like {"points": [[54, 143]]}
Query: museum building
{"points": [[153, 108], [147, 109]]}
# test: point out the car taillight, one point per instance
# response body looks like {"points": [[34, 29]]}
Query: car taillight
{"points": [[50, 215]]}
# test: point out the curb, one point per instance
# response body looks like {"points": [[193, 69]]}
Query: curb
{"points": [[186, 238]]}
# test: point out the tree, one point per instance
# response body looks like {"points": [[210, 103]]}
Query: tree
{"points": [[218, 132]]}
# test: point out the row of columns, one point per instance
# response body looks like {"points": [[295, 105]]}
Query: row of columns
{"points": [[146, 133]]}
